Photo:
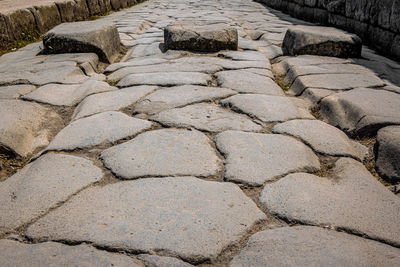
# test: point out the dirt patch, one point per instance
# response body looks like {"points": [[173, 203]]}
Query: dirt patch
{"points": [[10, 164]]}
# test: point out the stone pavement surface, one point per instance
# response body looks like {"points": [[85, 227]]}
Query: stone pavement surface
{"points": [[178, 158]]}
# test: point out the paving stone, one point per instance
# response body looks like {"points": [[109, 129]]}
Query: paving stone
{"points": [[110, 101], [361, 111], [271, 51], [392, 88], [243, 55], [247, 82], [162, 153], [165, 79], [322, 41], [134, 63], [67, 94], [206, 117], [183, 216], [167, 98], [100, 37], [56, 254], [41, 185], [254, 158], [323, 138], [286, 247], [203, 38], [225, 63], [388, 153], [263, 72], [268, 108], [158, 261], [97, 129], [315, 95], [26, 126], [15, 91], [351, 199]]}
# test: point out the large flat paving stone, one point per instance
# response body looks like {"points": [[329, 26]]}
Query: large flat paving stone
{"points": [[225, 63], [207, 117], [181, 216], [243, 55], [247, 82], [388, 153], [165, 79], [269, 108], [351, 198], [362, 111], [26, 126], [323, 138], [15, 91], [56, 254], [110, 101], [41, 185], [313, 246], [158, 261], [134, 63], [100, 128], [162, 153], [254, 158]]}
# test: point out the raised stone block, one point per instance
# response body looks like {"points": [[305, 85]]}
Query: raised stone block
{"points": [[98, 36], [321, 41], [388, 153], [203, 38]]}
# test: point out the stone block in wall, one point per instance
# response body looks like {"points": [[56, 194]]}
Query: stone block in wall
{"points": [[380, 38], [4, 31], [360, 9], [321, 16], [336, 7], [20, 23], [310, 3], [72, 10], [96, 7], [395, 49], [46, 16], [395, 17]]}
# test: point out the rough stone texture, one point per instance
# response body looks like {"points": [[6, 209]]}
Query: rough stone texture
{"points": [[162, 153], [97, 129], [203, 38], [56, 254], [226, 63], [165, 79], [15, 91], [350, 199], [26, 126], [286, 247], [243, 55], [157, 261], [388, 153], [254, 158], [321, 41], [100, 37], [362, 111], [183, 216], [41, 185], [323, 138]]}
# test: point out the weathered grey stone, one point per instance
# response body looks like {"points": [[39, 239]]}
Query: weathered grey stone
{"points": [[254, 158], [100, 37], [388, 153], [15, 91], [97, 129], [225, 63], [167, 98], [134, 63], [157, 261], [144, 50], [315, 95], [321, 41], [204, 38], [165, 79], [206, 117], [362, 111], [247, 82], [350, 199], [41, 185], [313, 246], [162, 153], [268, 108], [26, 126], [243, 55], [110, 101], [182, 216], [323, 138], [56, 254]]}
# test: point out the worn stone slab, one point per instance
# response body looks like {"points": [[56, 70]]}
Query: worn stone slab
{"points": [[203, 38], [321, 41], [165, 79], [206, 117], [243, 55], [269, 108], [26, 126], [225, 63], [41, 185], [162, 153], [322, 138], [57, 254], [134, 63], [247, 82], [158, 261], [181, 216], [388, 153], [15, 91], [315, 95], [110, 101], [94, 130], [362, 111], [68, 94], [167, 98], [254, 158], [351, 198], [144, 50], [100, 37], [313, 246]]}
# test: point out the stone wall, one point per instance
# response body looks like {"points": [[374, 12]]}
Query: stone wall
{"points": [[377, 22]]}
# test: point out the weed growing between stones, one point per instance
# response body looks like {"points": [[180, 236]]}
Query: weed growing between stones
{"points": [[285, 86], [10, 164], [27, 38]]}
